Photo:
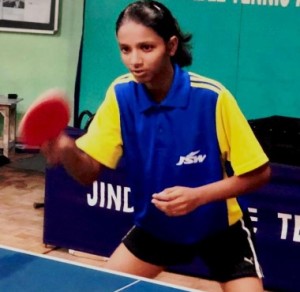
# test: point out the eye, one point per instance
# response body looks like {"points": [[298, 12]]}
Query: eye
{"points": [[147, 47], [124, 49]]}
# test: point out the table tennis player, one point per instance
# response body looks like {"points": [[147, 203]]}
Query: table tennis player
{"points": [[189, 154]]}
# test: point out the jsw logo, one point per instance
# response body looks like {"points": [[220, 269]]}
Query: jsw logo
{"points": [[191, 158]]}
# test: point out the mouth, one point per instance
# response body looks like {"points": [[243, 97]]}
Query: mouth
{"points": [[138, 73]]}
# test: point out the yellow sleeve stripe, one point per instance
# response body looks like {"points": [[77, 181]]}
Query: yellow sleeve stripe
{"points": [[196, 78]]}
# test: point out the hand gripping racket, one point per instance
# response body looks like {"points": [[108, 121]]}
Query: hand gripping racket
{"points": [[45, 119]]}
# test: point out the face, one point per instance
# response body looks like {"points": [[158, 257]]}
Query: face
{"points": [[145, 53]]}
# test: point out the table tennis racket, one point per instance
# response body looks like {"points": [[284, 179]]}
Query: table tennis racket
{"points": [[45, 119]]}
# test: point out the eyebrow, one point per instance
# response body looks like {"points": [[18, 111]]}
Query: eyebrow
{"points": [[138, 44]]}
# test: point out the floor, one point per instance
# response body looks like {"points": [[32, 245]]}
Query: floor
{"points": [[21, 224]]}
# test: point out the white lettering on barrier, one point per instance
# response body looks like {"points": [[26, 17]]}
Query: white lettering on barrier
{"points": [[296, 236], [253, 217], [286, 218], [284, 227], [110, 196], [286, 221]]}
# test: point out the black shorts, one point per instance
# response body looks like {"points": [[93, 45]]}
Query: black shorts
{"points": [[229, 254]]}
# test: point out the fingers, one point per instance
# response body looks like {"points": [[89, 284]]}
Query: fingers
{"points": [[165, 208], [51, 150], [57, 150], [166, 202], [48, 149], [166, 195], [175, 201]]}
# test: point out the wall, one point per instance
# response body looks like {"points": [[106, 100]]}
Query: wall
{"points": [[253, 49], [251, 46], [33, 63]]}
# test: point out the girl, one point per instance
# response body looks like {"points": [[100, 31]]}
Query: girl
{"points": [[188, 150]]}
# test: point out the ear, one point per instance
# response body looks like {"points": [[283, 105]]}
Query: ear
{"points": [[172, 45]]}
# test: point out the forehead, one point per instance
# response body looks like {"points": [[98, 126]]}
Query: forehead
{"points": [[131, 32]]}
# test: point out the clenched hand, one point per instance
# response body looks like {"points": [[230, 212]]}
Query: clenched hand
{"points": [[176, 201]]}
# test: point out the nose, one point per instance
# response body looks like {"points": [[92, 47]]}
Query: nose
{"points": [[135, 59]]}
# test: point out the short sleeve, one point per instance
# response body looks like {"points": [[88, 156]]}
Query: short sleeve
{"points": [[103, 140], [237, 141]]}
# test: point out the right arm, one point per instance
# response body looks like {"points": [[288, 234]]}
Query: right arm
{"points": [[77, 163], [102, 142]]}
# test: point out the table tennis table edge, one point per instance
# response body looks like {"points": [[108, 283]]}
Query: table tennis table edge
{"points": [[100, 269]]}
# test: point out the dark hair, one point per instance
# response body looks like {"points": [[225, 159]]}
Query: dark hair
{"points": [[159, 18]]}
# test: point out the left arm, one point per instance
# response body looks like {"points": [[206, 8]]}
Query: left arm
{"points": [[177, 201], [240, 147]]}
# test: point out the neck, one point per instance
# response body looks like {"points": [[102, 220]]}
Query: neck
{"points": [[159, 89]]}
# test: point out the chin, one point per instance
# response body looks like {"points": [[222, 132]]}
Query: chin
{"points": [[142, 79]]}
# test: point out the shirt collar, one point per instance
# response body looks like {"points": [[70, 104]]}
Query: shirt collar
{"points": [[178, 95]]}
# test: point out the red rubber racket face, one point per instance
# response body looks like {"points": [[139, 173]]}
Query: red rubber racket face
{"points": [[46, 118]]}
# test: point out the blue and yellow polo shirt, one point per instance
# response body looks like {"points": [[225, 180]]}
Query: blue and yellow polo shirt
{"points": [[183, 141]]}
